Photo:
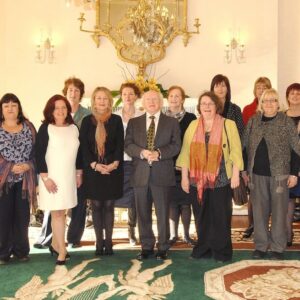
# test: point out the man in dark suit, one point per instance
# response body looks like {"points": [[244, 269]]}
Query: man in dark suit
{"points": [[152, 140]]}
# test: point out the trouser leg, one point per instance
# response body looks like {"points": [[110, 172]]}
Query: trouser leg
{"points": [[78, 215], [261, 201], [186, 219], [144, 216], [289, 219], [46, 233], [195, 208], [279, 206], [6, 222], [161, 198], [21, 221]]}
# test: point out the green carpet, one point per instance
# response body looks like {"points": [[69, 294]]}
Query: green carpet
{"points": [[186, 276]]}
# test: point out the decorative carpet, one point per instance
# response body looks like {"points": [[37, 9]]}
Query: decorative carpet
{"points": [[260, 280], [121, 276]]}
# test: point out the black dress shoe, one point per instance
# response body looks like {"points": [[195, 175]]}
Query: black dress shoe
{"points": [[144, 254], [189, 241], [76, 245], [99, 252], [161, 255], [257, 254], [276, 255], [60, 262], [108, 251], [53, 251], [248, 232], [173, 240], [40, 246]]}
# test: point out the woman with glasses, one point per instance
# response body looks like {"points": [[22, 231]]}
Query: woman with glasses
{"points": [[210, 162], [269, 137]]}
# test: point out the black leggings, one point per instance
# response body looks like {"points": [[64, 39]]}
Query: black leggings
{"points": [[103, 219]]}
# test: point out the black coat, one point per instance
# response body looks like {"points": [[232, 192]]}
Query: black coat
{"points": [[95, 185]]}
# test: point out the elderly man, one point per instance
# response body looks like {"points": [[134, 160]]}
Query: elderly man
{"points": [[152, 140]]}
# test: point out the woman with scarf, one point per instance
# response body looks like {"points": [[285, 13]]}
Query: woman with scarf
{"points": [[102, 142], [180, 204], [210, 162], [17, 179]]}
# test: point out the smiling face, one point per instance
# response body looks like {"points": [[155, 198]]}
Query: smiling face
{"points": [[128, 96], [73, 94], [101, 102], [10, 110], [294, 97], [175, 100], [208, 108], [220, 89], [152, 102], [60, 112], [269, 104]]}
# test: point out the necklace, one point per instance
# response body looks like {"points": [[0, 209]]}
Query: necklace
{"points": [[12, 128]]}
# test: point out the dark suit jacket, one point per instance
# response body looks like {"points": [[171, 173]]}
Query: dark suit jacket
{"points": [[167, 140]]}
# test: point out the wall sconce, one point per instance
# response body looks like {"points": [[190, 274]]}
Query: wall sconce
{"points": [[237, 49], [45, 51]]}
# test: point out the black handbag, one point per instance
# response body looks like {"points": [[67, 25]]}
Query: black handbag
{"points": [[239, 194]]}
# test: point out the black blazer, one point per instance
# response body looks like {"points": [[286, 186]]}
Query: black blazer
{"points": [[95, 185]]}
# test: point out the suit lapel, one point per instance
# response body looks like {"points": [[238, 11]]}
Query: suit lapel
{"points": [[160, 127], [143, 130]]}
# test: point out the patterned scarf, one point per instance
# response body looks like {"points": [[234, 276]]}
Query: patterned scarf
{"points": [[100, 135], [179, 116], [205, 159]]}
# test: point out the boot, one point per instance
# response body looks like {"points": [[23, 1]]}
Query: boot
{"points": [[131, 236]]}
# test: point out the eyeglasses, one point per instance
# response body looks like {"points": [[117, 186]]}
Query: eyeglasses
{"points": [[207, 104], [270, 101]]}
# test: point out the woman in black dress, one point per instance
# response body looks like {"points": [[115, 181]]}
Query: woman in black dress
{"points": [[102, 142], [180, 204]]}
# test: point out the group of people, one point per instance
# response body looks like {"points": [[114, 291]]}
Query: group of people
{"points": [[134, 159]]}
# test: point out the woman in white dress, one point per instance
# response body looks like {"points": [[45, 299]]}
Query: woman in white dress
{"points": [[57, 146]]}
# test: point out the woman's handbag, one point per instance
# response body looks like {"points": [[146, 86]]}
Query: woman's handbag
{"points": [[239, 194]]}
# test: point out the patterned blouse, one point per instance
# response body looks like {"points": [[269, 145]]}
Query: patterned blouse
{"points": [[16, 148]]}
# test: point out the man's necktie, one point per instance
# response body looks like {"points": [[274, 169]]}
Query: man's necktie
{"points": [[151, 134]]}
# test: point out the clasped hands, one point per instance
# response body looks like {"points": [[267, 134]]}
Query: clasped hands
{"points": [[150, 156], [20, 168], [104, 169]]}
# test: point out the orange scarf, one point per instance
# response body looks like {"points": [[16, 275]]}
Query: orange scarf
{"points": [[205, 161], [101, 134]]}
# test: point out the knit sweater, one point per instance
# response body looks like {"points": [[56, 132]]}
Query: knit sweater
{"points": [[281, 137]]}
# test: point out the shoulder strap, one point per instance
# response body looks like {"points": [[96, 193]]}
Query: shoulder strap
{"points": [[226, 134]]}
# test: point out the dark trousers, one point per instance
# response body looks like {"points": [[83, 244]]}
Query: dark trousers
{"points": [[215, 225], [78, 215], [132, 216], [14, 222], [144, 197], [103, 219], [76, 226]]}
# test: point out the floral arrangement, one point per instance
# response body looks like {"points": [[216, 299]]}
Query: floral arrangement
{"points": [[144, 84]]}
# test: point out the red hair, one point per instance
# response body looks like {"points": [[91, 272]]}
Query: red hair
{"points": [[49, 109]]}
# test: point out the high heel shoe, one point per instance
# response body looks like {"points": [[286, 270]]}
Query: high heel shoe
{"points": [[60, 262], [53, 251]]}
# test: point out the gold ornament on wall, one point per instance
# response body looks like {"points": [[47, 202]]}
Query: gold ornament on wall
{"points": [[140, 30]]}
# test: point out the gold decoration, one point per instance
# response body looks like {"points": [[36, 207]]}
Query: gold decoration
{"points": [[140, 30]]}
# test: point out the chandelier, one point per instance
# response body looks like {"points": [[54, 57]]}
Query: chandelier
{"points": [[140, 30]]}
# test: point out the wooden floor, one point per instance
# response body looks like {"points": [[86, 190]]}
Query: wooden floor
{"points": [[239, 222]]}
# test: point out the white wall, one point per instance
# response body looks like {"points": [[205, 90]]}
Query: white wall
{"points": [[192, 67], [288, 44]]}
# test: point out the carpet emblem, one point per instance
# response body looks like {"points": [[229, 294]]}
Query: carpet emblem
{"points": [[135, 284], [255, 279]]}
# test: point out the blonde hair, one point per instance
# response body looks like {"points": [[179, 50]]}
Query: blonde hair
{"points": [[273, 93], [107, 93], [262, 80]]}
